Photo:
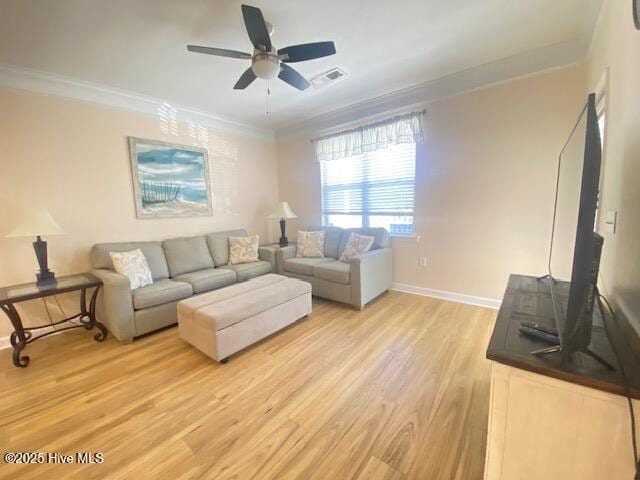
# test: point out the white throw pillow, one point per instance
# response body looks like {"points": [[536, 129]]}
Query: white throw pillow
{"points": [[243, 249], [134, 266], [310, 244], [356, 245]]}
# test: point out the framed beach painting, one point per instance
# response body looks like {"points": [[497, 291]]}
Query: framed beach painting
{"points": [[169, 180]]}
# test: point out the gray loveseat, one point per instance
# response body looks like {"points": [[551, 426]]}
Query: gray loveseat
{"points": [[357, 282], [181, 267]]}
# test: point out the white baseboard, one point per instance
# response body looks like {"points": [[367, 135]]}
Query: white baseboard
{"points": [[5, 342], [454, 297]]}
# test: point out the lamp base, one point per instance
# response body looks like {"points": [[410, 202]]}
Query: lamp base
{"points": [[45, 278], [283, 238]]}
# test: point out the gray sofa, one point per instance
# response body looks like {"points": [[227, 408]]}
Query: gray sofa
{"points": [[357, 282], [181, 267]]}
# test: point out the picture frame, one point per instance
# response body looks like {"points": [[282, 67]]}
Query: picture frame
{"points": [[636, 13], [170, 180]]}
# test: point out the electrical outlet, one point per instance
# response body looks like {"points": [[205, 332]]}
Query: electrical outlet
{"points": [[422, 261]]}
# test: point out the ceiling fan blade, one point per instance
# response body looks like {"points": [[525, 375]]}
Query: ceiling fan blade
{"points": [[245, 80], [307, 51], [220, 52], [293, 78], [256, 28]]}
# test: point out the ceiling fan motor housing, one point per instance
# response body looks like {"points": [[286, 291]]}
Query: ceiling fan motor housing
{"points": [[265, 65]]}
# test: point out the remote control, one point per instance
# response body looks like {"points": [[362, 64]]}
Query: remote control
{"points": [[540, 335], [542, 328]]}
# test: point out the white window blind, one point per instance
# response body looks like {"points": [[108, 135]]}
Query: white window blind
{"points": [[373, 189]]}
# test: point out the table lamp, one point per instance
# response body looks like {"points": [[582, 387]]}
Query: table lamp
{"points": [[38, 223], [283, 212]]}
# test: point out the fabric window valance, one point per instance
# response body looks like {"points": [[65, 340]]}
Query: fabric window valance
{"points": [[406, 128]]}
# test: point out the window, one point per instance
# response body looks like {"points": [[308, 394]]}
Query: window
{"points": [[374, 189], [602, 117]]}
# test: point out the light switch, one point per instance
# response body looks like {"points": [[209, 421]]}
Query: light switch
{"points": [[610, 221]]}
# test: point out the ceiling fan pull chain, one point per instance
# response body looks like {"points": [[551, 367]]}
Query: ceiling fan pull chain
{"points": [[268, 95]]}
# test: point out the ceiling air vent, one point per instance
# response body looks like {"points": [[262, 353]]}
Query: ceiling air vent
{"points": [[327, 78]]}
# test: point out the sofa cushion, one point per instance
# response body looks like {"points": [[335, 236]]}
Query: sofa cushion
{"points": [[304, 266], [380, 235], [310, 244], [218, 243], [162, 291], [331, 239], [335, 271], [152, 251], [246, 271], [187, 254], [134, 266], [243, 249], [208, 279], [356, 245]]}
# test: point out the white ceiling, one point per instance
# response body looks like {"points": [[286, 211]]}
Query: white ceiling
{"points": [[140, 45]]}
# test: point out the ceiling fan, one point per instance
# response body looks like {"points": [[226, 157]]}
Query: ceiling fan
{"points": [[267, 62]]}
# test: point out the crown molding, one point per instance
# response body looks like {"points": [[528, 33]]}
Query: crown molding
{"points": [[533, 62], [20, 78]]}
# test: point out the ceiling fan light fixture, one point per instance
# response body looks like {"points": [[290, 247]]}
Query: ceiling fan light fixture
{"points": [[266, 66]]}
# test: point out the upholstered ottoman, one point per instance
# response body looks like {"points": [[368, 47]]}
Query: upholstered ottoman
{"points": [[224, 321]]}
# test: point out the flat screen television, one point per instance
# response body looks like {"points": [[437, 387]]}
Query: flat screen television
{"points": [[576, 247]]}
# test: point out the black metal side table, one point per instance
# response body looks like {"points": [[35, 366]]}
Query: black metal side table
{"points": [[22, 336]]}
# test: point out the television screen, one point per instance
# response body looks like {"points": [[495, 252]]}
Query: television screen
{"points": [[575, 253], [570, 166]]}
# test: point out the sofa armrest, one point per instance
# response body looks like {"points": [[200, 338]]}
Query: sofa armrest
{"points": [[371, 275], [115, 304], [268, 254], [282, 254]]}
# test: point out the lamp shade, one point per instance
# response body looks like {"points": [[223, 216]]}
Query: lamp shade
{"points": [[34, 223], [282, 210]]}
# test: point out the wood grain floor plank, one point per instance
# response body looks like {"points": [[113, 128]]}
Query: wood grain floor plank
{"points": [[378, 470], [396, 391]]}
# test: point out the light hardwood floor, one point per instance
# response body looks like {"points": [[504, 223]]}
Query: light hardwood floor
{"points": [[397, 391]]}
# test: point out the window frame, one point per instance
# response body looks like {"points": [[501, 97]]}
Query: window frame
{"points": [[364, 186]]}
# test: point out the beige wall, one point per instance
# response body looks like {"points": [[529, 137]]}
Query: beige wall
{"points": [[73, 158], [485, 179], [484, 176], [616, 47]]}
